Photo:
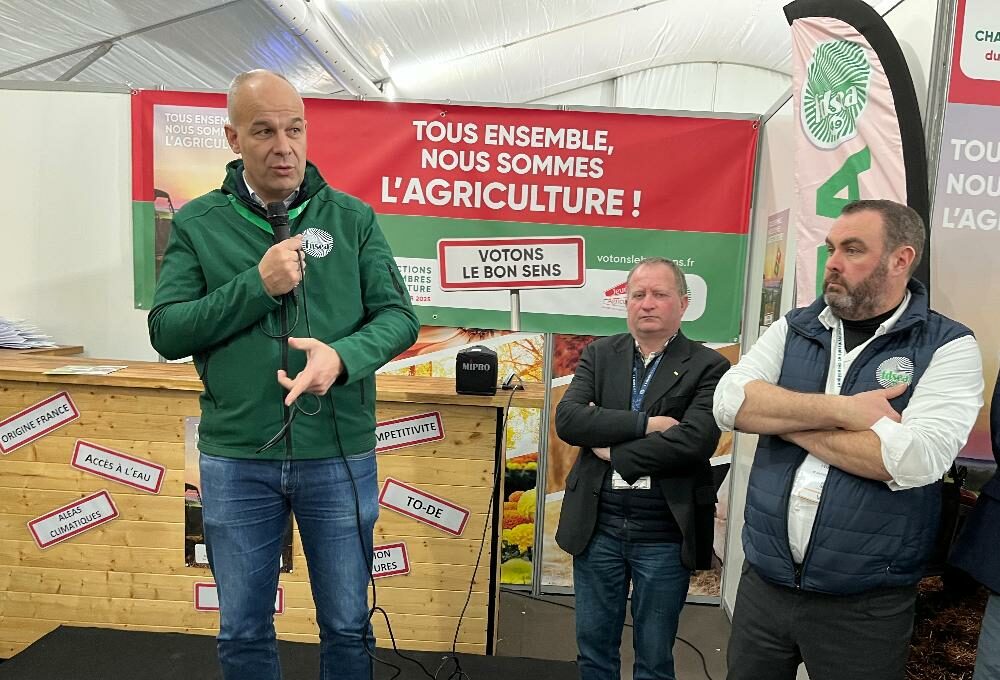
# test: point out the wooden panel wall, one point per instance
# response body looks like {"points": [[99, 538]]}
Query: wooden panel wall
{"points": [[130, 573]]}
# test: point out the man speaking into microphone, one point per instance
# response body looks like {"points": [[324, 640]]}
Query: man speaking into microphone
{"points": [[277, 439]]}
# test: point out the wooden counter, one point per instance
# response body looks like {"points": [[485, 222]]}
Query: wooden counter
{"points": [[130, 572], [57, 350]]}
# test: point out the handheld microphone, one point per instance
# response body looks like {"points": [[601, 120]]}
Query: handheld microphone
{"points": [[277, 217]]}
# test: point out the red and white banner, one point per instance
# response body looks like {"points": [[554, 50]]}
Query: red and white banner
{"points": [[964, 235], [629, 184], [36, 421]]}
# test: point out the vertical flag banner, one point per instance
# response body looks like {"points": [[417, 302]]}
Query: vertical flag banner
{"points": [[966, 226], [858, 133], [629, 185]]}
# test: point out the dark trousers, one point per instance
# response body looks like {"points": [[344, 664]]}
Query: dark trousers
{"points": [[838, 637], [601, 577]]}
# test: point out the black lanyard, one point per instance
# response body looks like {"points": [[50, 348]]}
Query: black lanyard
{"points": [[639, 391]]}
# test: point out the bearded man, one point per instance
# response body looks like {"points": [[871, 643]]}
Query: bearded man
{"points": [[862, 400]]}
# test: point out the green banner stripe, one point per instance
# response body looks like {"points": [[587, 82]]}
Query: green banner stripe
{"points": [[143, 264], [607, 247], [719, 259]]}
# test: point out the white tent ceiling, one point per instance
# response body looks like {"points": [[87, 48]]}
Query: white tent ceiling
{"points": [[461, 50]]}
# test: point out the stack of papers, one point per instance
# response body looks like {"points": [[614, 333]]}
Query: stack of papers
{"points": [[84, 370], [19, 334]]}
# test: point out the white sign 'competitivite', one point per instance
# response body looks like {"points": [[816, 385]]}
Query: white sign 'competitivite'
{"points": [[36, 421], [70, 520], [390, 560], [408, 431], [509, 263], [423, 507], [118, 467], [206, 598]]}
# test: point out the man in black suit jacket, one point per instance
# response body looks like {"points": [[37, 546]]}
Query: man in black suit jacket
{"points": [[639, 500], [978, 553]]}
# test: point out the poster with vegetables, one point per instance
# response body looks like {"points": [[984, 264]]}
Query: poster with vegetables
{"points": [[433, 355]]}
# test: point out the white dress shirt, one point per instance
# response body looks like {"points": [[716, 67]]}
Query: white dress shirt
{"points": [[259, 201], [916, 452]]}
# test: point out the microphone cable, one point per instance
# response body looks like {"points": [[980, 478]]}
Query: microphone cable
{"points": [[458, 673], [365, 553], [289, 413]]}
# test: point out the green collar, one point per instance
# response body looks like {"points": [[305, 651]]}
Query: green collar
{"points": [[257, 220]]}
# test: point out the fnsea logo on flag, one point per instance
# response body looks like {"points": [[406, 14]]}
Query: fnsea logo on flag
{"points": [[835, 92]]}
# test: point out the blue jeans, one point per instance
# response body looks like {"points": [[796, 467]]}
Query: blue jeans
{"points": [[988, 654], [601, 577], [246, 504]]}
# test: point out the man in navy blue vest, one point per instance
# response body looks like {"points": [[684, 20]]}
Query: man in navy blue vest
{"points": [[978, 553], [862, 400]]}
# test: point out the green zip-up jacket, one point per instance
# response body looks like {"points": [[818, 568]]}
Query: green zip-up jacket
{"points": [[210, 303]]}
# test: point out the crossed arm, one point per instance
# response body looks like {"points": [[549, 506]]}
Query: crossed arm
{"points": [[637, 444], [834, 428], [861, 434]]}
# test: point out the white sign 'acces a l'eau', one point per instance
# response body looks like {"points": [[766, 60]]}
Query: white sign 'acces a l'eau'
{"points": [[118, 467]]}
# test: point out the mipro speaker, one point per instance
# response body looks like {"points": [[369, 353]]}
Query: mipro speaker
{"points": [[476, 371]]}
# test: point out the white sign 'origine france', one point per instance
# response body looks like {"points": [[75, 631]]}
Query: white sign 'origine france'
{"points": [[206, 598], [36, 421], [70, 520], [423, 507], [118, 467], [390, 560], [408, 431]]}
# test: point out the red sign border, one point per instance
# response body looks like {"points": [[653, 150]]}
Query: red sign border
{"points": [[419, 518], [213, 584], [406, 560], [516, 240], [437, 416], [161, 468], [75, 532], [38, 435]]}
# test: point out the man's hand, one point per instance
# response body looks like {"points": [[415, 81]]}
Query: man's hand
{"points": [[864, 409], [279, 268], [603, 452], [323, 367], [660, 424]]}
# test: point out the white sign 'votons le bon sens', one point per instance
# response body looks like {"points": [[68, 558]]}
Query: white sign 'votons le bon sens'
{"points": [[511, 263], [423, 507]]}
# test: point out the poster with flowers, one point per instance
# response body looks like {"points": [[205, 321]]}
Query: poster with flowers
{"points": [[523, 354]]}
